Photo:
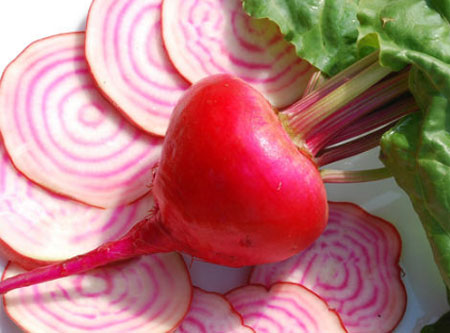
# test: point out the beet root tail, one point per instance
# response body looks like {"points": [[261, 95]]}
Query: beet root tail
{"points": [[144, 238]]}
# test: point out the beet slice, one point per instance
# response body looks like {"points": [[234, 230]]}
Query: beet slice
{"points": [[284, 308], [213, 36], [61, 133], [354, 266], [39, 227], [211, 313], [149, 294], [127, 58]]}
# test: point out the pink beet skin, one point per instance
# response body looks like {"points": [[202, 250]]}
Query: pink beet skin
{"points": [[231, 186]]}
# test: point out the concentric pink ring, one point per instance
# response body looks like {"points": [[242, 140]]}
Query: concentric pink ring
{"points": [[42, 93], [127, 58], [216, 36]]}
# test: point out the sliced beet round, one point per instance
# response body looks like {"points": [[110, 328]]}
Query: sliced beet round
{"points": [[211, 313], [61, 133], [354, 266], [213, 36], [284, 308], [39, 227], [127, 58], [149, 294]]}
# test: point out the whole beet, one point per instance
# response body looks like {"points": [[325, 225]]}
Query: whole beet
{"points": [[231, 188]]}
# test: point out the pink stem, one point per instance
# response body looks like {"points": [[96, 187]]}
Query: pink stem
{"points": [[316, 80], [323, 103], [336, 81], [146, 237], [375, 119], [357, 176], [360, 145], [365, 103]]}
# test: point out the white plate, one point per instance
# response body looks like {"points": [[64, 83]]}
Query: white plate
{"points": [[23, 21]]}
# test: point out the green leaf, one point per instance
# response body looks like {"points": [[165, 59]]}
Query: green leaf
{"points": [[417, 151], [324, 32], [443, 7], [410, 32], [441, 326], [433, 156]]}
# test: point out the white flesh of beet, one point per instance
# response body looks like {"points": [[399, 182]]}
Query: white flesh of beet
{"points": [[61, 133], [127, 58], [284, 308], [39, 226], [354, 266], [149, 294], [211, 313], [213, 36]]}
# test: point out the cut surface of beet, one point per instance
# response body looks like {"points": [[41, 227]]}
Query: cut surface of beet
{"points": [[127, 58], [284, 308], [354, 266], [40, 227], [61, 133], [149, 294], [216, 36], [211, 313]]}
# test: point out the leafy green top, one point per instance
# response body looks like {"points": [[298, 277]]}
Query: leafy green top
{"points": [[417, 151]]}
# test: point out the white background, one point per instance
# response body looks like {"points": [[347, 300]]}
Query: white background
{"points": [[23, 21]]}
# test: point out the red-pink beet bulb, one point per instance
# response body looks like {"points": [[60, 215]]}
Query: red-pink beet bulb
{"points": [[231, 186]]}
